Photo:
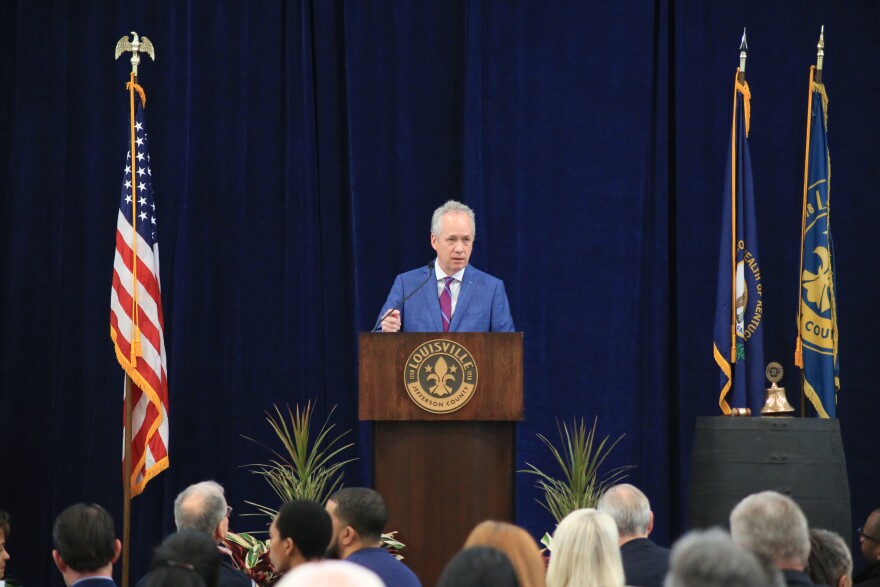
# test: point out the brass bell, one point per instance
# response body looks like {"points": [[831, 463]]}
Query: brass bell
{"points": [[775, 403]]}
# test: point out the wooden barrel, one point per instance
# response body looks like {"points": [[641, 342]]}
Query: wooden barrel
{"points": [[798, 457]]}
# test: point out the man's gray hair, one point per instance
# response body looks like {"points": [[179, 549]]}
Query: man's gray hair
{"points": [[451, 206], [773, 526], [830, 558], [711, 557], [200, 507], [629, 507]]}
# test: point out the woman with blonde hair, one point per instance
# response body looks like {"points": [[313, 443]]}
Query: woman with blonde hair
{"points": [[517, 544], [585, 552]]}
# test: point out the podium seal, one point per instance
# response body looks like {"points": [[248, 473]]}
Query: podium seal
{"points": [[440, 376]]}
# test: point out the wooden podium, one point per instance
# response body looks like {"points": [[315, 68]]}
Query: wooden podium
{"points": [[441, 473]]}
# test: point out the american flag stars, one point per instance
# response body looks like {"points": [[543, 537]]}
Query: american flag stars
{"points": [[146, 206]]}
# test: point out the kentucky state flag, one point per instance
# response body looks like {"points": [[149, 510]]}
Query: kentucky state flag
{"points": [[816, 352], [739, 309]]}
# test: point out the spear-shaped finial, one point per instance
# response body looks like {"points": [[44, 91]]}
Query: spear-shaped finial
{"points": [[743, 50], [137, 46], [820, 55]]}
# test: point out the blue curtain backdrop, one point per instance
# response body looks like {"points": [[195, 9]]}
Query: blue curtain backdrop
{"points": [[298, 149]]}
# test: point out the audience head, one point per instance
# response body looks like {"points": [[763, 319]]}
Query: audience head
{"points": [[478, 566], [330, 573], [585, 551], [711, 557], [202, 507], [359, 517], [772, 525], [630, 509], [188, 558], [85, 542], [830, 561], [869, 538], [517, 544], [4, 534], [300, 532]]}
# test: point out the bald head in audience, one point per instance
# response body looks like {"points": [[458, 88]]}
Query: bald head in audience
{"points": [[330, 573], [644, 563], [202, 507], [630, 509]]}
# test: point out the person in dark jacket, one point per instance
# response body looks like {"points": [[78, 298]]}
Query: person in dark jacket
{"points": [[202, 507], [869, 539], [774, 527], [300, 533], [85, 546], [644, 563], [185, 559]]}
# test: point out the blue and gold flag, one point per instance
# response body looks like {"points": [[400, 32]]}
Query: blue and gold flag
{"points": [[738, 341], [816, 350]]}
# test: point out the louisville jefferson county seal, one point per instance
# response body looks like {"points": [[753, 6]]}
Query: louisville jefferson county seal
{"points": [[440, 376]]}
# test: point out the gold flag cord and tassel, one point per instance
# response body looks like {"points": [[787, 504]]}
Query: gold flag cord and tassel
{"points": [[136, 347]]}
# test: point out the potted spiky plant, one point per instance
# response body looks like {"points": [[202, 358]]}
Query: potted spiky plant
{"points": [[579, 457], [309, 469], [306, 468]]}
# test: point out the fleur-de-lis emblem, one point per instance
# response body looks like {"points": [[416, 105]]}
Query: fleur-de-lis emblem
{"points": [[441, 378], [818, 284]]}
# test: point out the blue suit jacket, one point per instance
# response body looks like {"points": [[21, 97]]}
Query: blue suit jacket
{"points": [[481, 307], [95, 582]]}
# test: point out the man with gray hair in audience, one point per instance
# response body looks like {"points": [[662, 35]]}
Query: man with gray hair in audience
{"points": [[830, 560], [773, 527], [644, 563], [711, 557], [202, 507]]}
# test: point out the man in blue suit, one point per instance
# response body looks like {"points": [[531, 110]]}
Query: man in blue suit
{"points": [[448, 295], [85, 546]]}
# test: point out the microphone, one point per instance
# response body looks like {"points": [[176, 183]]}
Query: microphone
{"points": [[408, 296]]}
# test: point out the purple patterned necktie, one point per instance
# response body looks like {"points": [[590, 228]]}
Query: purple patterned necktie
{"points": [[446, 304]]}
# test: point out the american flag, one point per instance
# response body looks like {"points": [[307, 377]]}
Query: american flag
{"points": [[136, 323]]}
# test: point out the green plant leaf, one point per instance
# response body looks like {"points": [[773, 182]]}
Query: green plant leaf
{"points": [[580, 459], [308, 467]]}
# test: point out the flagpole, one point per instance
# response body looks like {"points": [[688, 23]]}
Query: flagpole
{"points": [[136, 46], [740, 79], [815, 77], [126, 484], [799, 349], [135, 343]]}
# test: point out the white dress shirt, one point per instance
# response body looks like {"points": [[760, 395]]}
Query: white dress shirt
{"points": [[454, 287]]}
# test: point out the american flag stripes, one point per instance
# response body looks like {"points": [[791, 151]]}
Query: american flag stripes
{"points": [[136, 322]]}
